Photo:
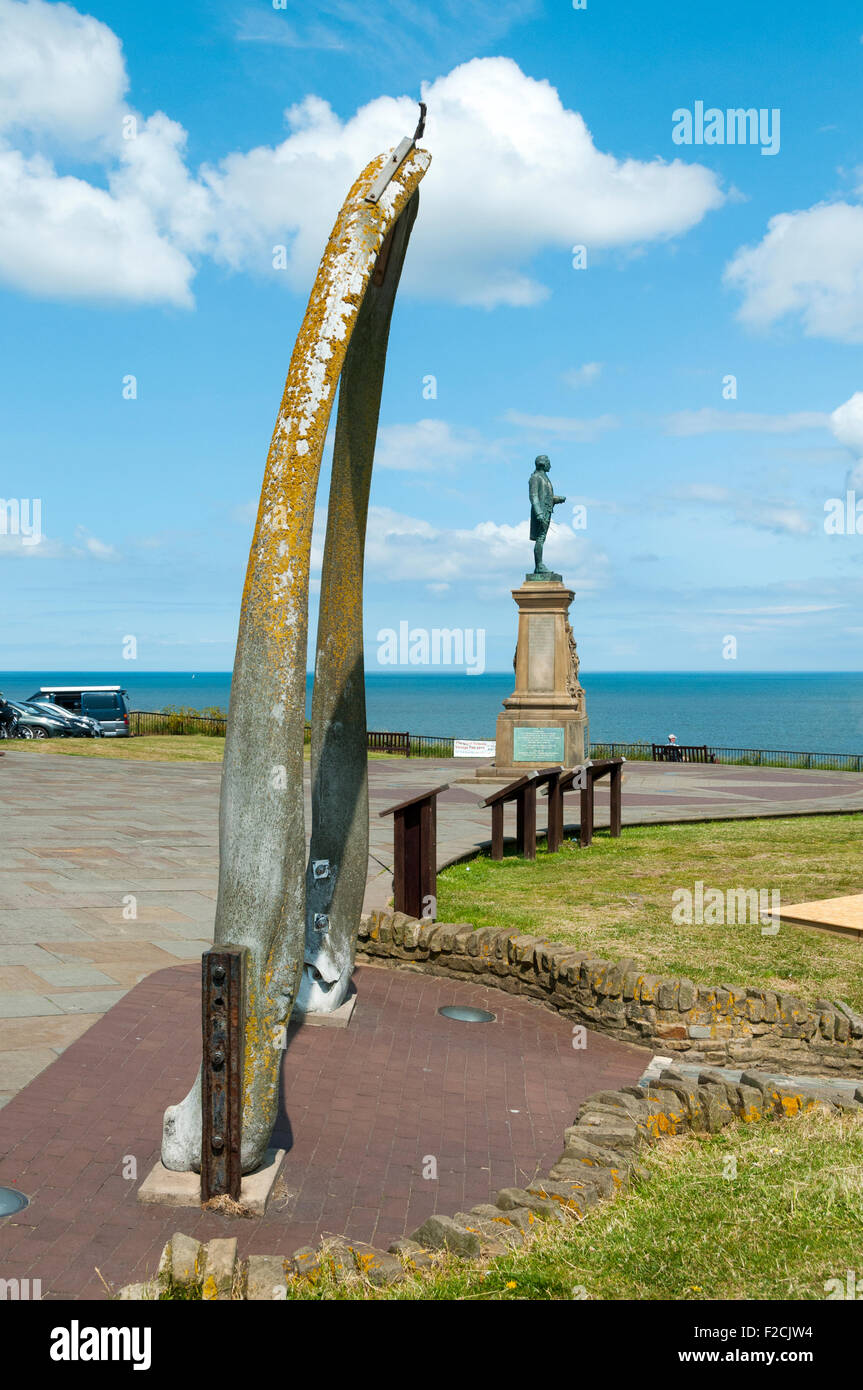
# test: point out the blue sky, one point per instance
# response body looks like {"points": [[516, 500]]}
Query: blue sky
{"points": [[549, 128]]}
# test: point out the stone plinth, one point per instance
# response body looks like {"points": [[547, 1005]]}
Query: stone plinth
{"points": [[544, 720]]}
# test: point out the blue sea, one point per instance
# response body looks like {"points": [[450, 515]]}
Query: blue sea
{"points": [[820, 713]]}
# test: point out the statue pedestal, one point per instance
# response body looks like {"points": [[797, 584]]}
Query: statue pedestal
{"points": [[544, 721]]}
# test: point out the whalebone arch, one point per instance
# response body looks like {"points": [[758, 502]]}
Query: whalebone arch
{"points": [[298, 926]]}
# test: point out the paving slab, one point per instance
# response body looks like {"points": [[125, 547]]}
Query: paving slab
{"points": [[361, 1109], [150, 830], [26, 1004]]}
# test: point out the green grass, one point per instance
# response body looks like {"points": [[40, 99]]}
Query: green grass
{"points": [[791, 1219], [165, 748], [773, 1210], [149, 748], [615, 899]]}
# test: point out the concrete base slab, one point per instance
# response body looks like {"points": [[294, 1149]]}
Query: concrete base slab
{"points": [[339, 1018], [164, 1188]]}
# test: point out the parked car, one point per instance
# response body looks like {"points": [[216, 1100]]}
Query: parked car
{"points": [[108, 705], [36, 722], [80, 725]]}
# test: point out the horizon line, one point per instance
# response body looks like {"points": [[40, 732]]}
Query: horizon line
{"points": [[449, 673]]}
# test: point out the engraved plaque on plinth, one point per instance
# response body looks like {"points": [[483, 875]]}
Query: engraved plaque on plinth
{"points": [[530, 745]]}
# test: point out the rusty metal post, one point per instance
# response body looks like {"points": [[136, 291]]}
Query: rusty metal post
{"points": [[222, 971]]}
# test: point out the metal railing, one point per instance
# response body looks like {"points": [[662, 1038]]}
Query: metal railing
{"points": [[742, 757], [175, 722], [438, 746], [430, 746]]}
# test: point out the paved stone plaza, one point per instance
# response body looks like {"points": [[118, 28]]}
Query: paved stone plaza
{"points": [[88, 842], [361, 1109], [107, 897]]}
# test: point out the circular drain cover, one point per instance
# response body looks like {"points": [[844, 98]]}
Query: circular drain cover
{"points": [[12, 1201], [465, 1015]]}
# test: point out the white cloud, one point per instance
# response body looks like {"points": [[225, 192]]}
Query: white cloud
{"points": [[563, 426], [582, 376], [706, 492], [427, 446], [88, 547], [786, 610], [61, 73], [405, 548], [421, 37], [515, 174], [846, 423], [712, 421], [100, 550], [746, 510], [62, 237], [809, 264], [62, 83]]}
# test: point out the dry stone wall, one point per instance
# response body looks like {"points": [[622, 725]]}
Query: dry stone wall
{"points": [[599, 1161], [723, 1025]]}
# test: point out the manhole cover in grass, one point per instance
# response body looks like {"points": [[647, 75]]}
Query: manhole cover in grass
{"points": [[12, 1201], [465, 1015]]}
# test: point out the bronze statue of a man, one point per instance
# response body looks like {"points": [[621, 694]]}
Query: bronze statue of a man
{"points": [[542, 503]]}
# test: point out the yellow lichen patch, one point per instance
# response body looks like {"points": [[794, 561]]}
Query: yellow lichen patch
{"points": [[209, 1290], [791, 1105], [568, 1203], [662, 1122]]}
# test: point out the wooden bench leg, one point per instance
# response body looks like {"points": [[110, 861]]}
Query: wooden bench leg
{"points": [[616, 800], [555, 817], [497, 830], [526, 822], [399, 864], [585, 837]]}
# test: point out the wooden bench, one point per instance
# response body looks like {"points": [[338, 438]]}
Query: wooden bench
{"points": [[388, 743], [682, 753], [523, 792], [583, 779]]}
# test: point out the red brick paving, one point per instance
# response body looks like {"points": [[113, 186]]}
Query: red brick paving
{"points": [[361, 1109]]}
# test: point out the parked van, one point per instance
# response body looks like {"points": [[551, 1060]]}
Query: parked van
{"points": [[107, 704]]}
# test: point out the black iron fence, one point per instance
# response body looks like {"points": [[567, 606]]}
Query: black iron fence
{"points": [[176, 722], [430, 746], [437, 746], [742, 757]]}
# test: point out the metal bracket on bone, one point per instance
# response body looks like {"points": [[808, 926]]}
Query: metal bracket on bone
{"points": [[396, 159]]}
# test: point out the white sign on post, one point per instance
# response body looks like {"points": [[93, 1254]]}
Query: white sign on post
{"points": [[473, 748]]}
